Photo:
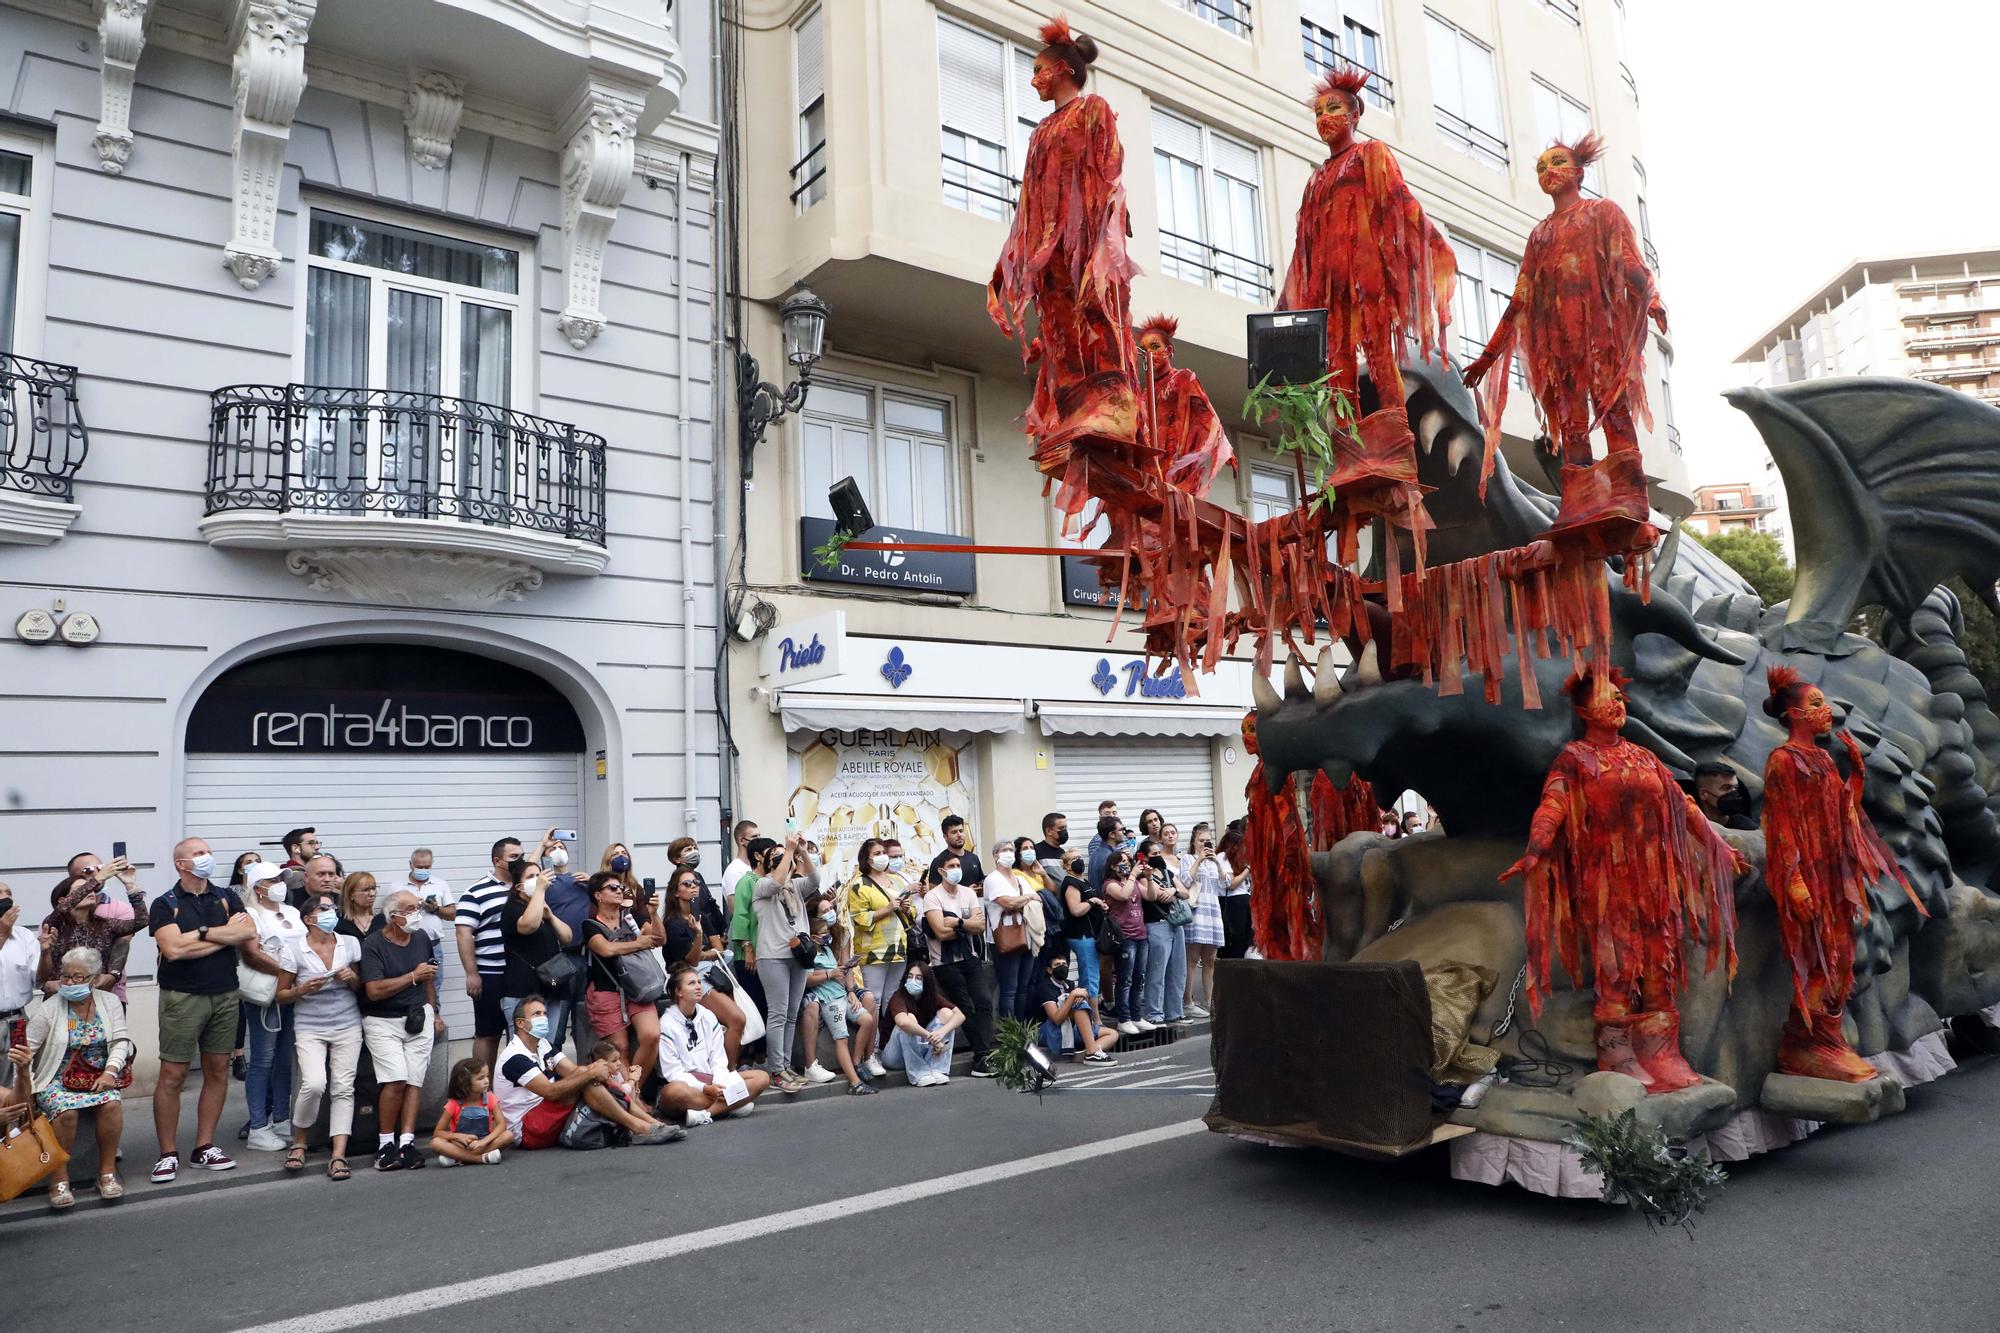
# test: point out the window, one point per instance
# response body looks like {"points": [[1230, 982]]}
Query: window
{"points": [[1211, 231], [1272, 493], [427, 322], [897, 446], [1468, 93], [1560, 118], [1350, 33], [1232, 16], [987, 108], [1645, 220], [20, 240], [1667, 409], [809, 97], [1565, 9], [1485, 286]]}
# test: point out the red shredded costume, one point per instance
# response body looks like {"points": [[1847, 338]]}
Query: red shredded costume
{"points": [[1180, 421], [1339, 811], [1820, 855], [1283, 908]]}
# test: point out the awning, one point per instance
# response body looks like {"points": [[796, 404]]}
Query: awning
{"points": [[1138, 720], [867, 712]]}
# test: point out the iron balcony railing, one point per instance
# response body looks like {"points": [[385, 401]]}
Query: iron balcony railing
{"points": [[1324, 53], [1566, 9], [1198, 261], [42, 436], [1232, 16], [1652, 255], [1674, 438], [809, 171], [1469, 138], [294, 448], [979, 189]]}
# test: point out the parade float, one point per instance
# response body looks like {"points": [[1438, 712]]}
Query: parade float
{"points": [[1583, 949]]}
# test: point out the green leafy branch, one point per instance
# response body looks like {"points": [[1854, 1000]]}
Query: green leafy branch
{"points": [[1307, 417], [1662, 1181], [1007, 1059], [827, 554]]}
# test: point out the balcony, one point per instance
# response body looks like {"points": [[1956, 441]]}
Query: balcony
{"points": [[1567, 10], [42, 443], [1324, 54], [1956, 374], [1468, 138], [1194, 260], [1940, 337], [1232, 16], [399, 497]]}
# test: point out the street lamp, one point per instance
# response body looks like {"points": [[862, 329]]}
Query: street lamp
{"points": [[760, 402]]}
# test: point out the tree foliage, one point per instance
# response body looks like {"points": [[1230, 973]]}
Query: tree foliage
{"points": [[1758, 557]]}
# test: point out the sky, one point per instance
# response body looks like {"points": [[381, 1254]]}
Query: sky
{"points": [[1785, 138]]}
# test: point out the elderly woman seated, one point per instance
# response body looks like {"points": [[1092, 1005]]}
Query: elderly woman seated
{"points": [[76, 1059]]}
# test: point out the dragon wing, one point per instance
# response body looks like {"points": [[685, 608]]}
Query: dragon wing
{"points": [[1894, 487]]}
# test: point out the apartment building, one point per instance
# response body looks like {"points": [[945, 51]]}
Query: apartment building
{"points": [[357, 459], [882, 142], [1731, 506]]}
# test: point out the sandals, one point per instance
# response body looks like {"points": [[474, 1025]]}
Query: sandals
{"points": [[337, 1169], [110, 1188], [60, 1196], [295, 1158]]}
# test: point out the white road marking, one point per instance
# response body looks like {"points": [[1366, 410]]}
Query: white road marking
{"points": [[515, 1281], [1178, 1073]]}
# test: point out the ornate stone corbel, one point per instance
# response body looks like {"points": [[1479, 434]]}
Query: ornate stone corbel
{"points": [[268, 75], [431, 111], [597, 170], [121, 36]]}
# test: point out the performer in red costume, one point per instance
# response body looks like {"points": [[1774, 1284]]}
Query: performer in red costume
{"points": [[1180, 421], [1578, 318], [1621, 863], [1065, 259], [1385, 274], [1820, 856]]}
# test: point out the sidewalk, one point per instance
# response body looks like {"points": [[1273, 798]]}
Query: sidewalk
{"points": [[140, 1144]]}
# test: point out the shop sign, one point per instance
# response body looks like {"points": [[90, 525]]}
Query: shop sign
{"points": [[1131, 681], [855, 785], [381, 699], [806, 649], [1081, 588], [922, 571]]}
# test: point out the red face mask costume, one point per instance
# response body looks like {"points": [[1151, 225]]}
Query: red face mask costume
{"points": [[1578, 319], [1621, 865], [1180, 421], [1065, 260], [1820, 856]]}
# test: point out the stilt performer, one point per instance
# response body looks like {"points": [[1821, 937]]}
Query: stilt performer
{"points": [[1621, 864], [1578, 319], [1820, 856], [1180, 422]]}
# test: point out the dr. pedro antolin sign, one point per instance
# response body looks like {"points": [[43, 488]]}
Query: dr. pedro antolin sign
{"points": [[925, 571]]}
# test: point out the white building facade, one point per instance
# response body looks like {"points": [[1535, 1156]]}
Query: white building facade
{"points": [[358, 468]]}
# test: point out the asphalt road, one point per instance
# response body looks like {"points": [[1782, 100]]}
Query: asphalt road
{"points": [[1101, 1206]]}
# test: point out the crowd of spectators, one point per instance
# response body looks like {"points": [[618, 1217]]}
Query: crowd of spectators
{"points": [[606, 1009]]}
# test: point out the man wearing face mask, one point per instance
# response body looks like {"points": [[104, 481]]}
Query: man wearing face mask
{"points": [[1055, 833], [568, 896], [197, 926], [399, 1022], [1062, 1005], [434, 898]]}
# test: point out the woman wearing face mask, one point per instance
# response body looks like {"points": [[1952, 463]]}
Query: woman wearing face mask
{"points": [[955, 922], [1081, 914], [268, 1088], [74, 1060], [1008, 890], [610, 933], [879, 912], [532, 935], [923, 1027], [686, 943], [685, 854], [1163, 900], [1123, 898], [321, 980], [238, 1067], [358, 919], [75, 924], [1206, 874], [785, 875]]}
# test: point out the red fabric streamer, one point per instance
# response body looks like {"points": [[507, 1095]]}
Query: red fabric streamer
{"points": [[1339, 811], [1284, 913], [1182, 426]]}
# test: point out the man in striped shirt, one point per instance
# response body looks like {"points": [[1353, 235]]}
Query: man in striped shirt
{"points": [[483, 952]]}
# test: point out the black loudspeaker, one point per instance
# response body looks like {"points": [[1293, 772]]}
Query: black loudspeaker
{"points": [[1287, 345], [850, 512]]}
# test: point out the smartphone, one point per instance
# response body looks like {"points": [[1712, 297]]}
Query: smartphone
{"points": [[565, 835], [646, 889], [118, 851]]}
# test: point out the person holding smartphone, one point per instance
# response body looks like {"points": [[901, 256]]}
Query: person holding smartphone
{"points": [[785, 876], [1206, 875], [532, 934], [321, 980], [78, 922], [1166, 942], [1122, 893]]}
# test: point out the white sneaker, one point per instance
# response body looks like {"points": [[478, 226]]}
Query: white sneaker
{"points": [[699, 1118], [1145, 1026], [872, 1067], [740, 1111], [1129, 1028], [1196, 1011], [283, 1129], [265, 1139], [444, 1161], [492, 1157], [934, 1080], [819, 1073]]}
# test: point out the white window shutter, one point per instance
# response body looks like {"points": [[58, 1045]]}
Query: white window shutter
{"points": [[1368, 13], [1174, 135], [810, 60], [1326, 13], [1235, 160], [971, 97]]}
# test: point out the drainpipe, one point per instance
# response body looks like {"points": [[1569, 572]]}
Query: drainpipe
{"points": [[690, 740]]}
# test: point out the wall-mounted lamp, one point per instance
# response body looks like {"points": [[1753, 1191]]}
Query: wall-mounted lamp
{"points": [[760, 402]]}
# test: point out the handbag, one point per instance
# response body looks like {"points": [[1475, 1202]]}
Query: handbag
{"points": [[258, 988], [558, 975], [585, 1129], [641, 976], [29, 1157], [804, 949], [81, 1073], [1179, 912], [1010, 935]]}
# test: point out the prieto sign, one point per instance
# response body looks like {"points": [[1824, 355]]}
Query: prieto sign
{"points": [[809, 648]]}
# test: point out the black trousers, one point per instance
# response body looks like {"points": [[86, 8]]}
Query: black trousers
{"points": [[968, 987], [1237, 933]]}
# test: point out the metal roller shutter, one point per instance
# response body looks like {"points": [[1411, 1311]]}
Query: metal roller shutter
{"points": [[1172, 774], [373, 810]]}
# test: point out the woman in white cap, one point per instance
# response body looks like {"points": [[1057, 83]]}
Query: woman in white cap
{"points": [[267, 1021]]}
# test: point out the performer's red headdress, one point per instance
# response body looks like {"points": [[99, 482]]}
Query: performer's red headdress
{"points": [[1586, 150], [1347, 80], [1786, 685], [1072, 48], [1164, 325], [1581, 682]]}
